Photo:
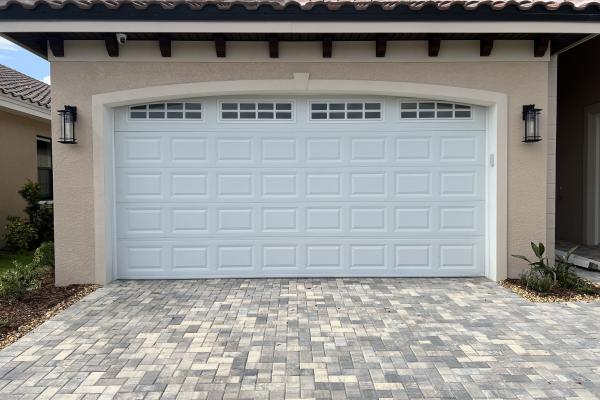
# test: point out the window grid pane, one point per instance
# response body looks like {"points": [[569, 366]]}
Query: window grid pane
{"points": [[434, 110], [166, 111], [256, 111], [337, 110]]}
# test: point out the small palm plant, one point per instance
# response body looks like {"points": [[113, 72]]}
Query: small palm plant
{"points": [[543, 276]]}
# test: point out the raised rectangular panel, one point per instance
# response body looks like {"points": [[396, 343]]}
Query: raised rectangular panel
{"points": [[189, 220], [413, 256], [372, 256], [458, 149], [457, 256], [279, 149], [413, 184], [279, 185], [279, 219], [323, 218], [234, 185], [458, 183], [144, 220], [234, 150], [368, 149], [323, 185], [234, 219], [238, 257], [187, 257], [144, 257], [146, 149], [279, 257], [188, 150], [367, 219], [323, 149], [412, 218], [144, 185], [189, 185], [457, 218], [367, 184], [413, 148], [329, 256]]}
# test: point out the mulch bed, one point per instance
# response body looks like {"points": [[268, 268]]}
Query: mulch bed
{"points": [[557, 295], [18, 317]]}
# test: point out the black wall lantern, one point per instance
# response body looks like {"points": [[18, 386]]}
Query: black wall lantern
{"points": [[68, 116], [531, 116]]}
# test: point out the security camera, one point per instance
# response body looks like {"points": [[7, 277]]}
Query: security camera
{"points": [[121, 38]]}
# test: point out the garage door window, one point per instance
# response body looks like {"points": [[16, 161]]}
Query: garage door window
{"points": [[434, 110], [166, 111], [345, 111], [249, 111]]}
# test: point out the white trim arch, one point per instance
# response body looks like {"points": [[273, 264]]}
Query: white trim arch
{"points": [[102, 127]]}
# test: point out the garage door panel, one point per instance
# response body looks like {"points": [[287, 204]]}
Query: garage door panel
{"points": [[144, 149], [216, 198], [303, 257], [316, 185], [297, 220]]}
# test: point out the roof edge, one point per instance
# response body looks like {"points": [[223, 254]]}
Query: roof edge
{"points": [[26, 108]]}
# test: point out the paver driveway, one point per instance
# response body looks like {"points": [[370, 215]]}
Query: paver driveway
{"points": [[325, 338]]}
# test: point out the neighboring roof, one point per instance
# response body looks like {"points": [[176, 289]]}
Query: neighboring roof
{"points": [[24, 87], [332, 5]]}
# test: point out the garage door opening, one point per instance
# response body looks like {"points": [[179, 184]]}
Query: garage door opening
{"points": [[300, 186]]}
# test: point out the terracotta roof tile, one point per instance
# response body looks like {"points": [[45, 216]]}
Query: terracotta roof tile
{"points": [[308, 4], [24, 87]]}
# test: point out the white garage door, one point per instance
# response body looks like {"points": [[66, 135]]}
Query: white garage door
{"points": [[298, 186]]}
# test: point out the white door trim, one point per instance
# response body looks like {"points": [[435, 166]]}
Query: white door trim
{"points": [[591, 173], [102, 125]]}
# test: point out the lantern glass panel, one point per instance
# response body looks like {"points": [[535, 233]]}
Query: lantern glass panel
{"points": [[68, 116], [532, 126]]}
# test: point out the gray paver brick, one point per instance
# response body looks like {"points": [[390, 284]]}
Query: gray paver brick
{"points": [[316, 338]]}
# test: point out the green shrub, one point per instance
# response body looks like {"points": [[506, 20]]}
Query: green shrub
{"points": [[538, 281], [20, 235], [541, 273], [44, 255], [543, 277], [566, 278], [40, 215], [19, 280]]}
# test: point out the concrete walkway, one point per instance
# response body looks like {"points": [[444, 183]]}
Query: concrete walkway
{"points": [[323, 338]]}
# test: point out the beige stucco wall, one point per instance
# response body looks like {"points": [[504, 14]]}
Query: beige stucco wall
{"points": [[18, 160], [75, 82]]}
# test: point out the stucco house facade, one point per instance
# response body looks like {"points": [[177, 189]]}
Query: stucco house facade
{"points": [[301, 139], [25, 137]]}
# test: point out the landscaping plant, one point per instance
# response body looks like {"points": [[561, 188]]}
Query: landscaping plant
{"points": [[543, 276], [40, 215], [19, 280], [22, 235], [19, 235], [22, 278], [44, 255]]}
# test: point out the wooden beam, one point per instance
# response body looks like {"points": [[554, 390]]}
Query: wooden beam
{"points": [[327, 46], [434, 46], [273, 46], [380, 46], [112, 45], [220, 46], [164, 43], [57, 45], [486, 44], [540, 46]]}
